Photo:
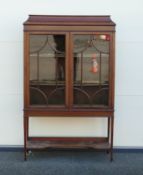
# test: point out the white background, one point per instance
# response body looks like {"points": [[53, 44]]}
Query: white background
{"points": [[128, 15]]}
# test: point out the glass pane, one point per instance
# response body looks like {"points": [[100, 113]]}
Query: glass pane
{"points": [[91, 70], [47, 69]]}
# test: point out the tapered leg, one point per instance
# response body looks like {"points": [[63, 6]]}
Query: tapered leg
{"points": [[112, 131], [108, 130], [25, 136]]}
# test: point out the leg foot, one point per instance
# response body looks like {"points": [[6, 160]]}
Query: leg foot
{"points": [[107, 151], [111, 156], [25, 155]]}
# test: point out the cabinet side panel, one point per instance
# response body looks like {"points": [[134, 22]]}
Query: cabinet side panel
{"points": [[112, 70], [26, 69]]}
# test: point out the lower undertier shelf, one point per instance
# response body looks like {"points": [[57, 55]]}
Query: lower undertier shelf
{"points": [[67, 145]]}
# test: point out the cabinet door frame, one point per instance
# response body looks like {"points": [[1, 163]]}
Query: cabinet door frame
{"points": [[27, 70], [111, 68]]}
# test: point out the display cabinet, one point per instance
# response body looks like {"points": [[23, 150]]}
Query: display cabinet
{"points": [[69, 71]]}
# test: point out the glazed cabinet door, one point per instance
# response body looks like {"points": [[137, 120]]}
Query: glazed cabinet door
{"points": [[91, 65], [47, 69]]}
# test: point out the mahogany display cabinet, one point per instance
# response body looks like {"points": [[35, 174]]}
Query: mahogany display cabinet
{"points": [[69, 72]]}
